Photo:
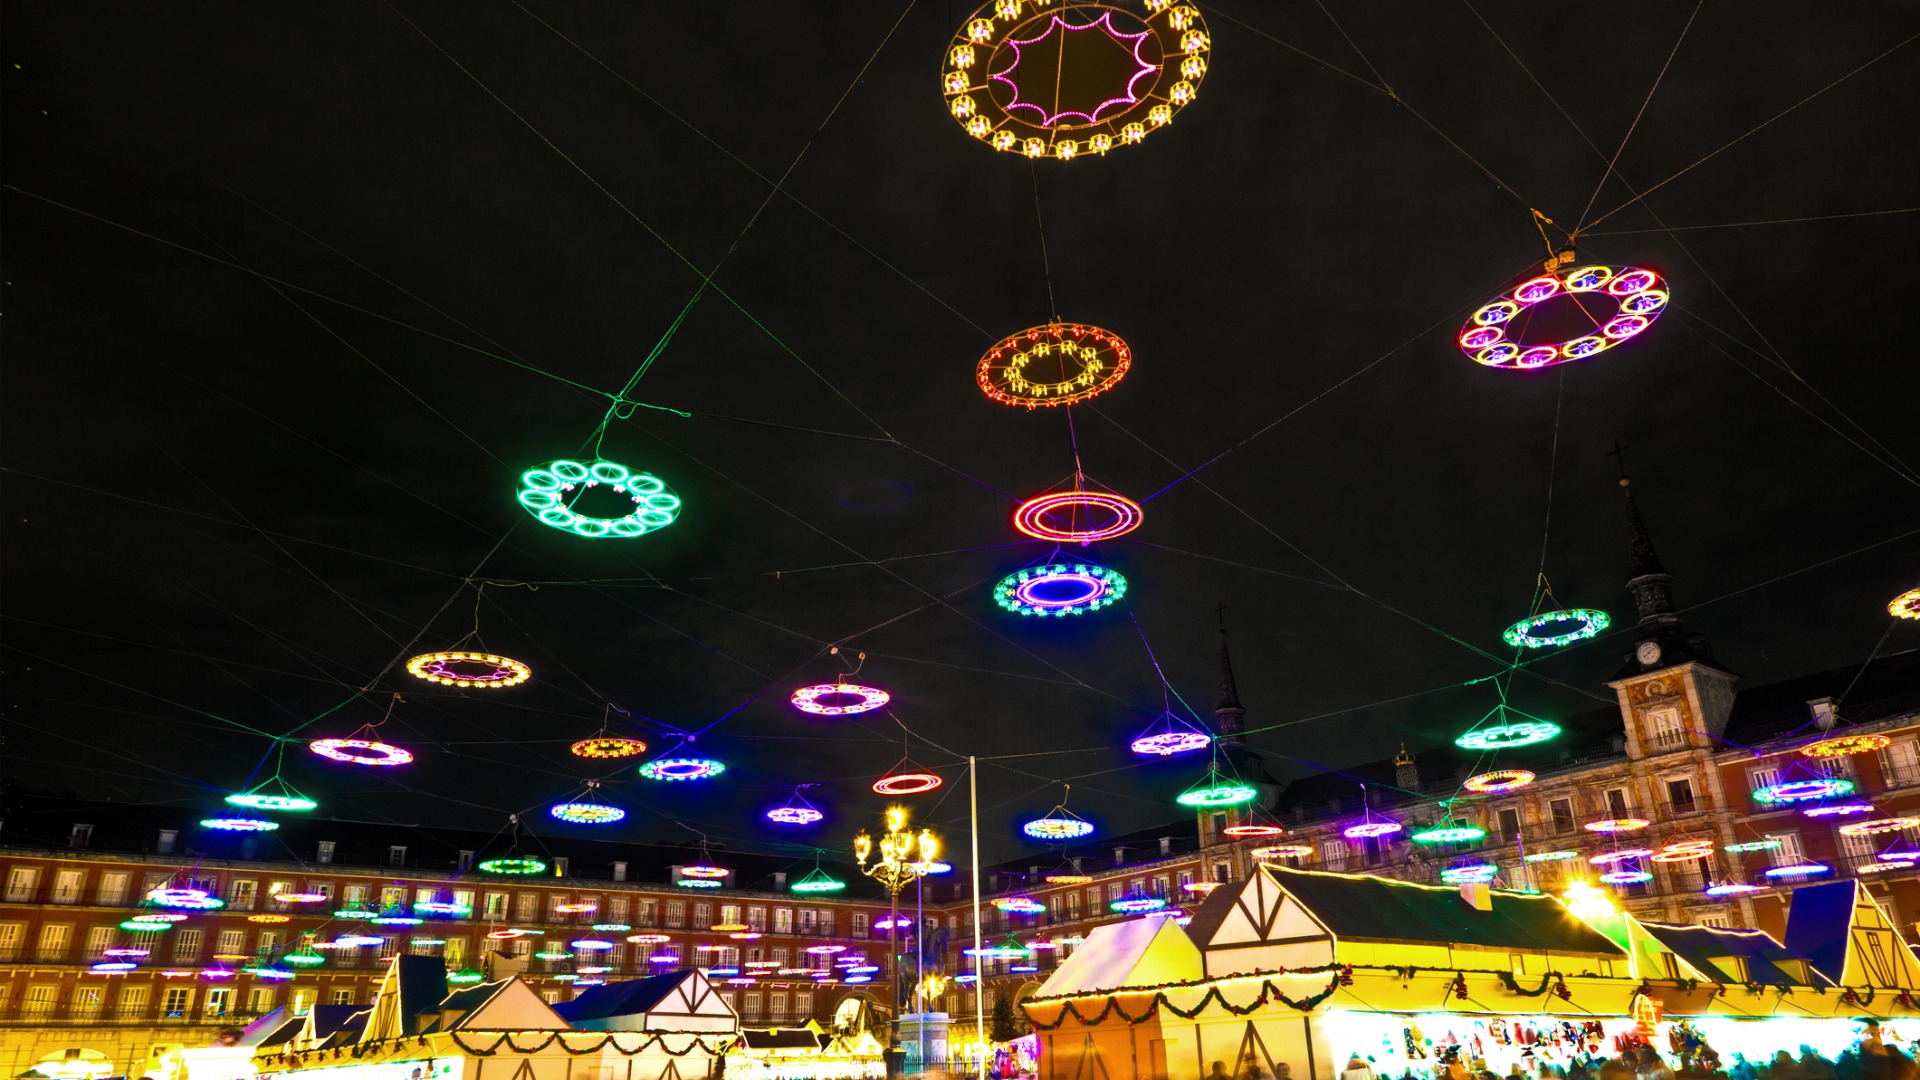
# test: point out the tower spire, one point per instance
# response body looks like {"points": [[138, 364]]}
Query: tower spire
{"points": [[1229, 690], [1647, 581]]}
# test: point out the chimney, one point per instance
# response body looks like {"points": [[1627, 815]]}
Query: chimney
{"points": [[1033, 871], [779, 876], [1477, 895], [620, 871], [1119, 856], [1405, 773], [1166, 845], [499, 965], [167, 838], [1825, 712]]}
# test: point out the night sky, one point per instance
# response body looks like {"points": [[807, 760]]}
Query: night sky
{"points": [[295, 291]]}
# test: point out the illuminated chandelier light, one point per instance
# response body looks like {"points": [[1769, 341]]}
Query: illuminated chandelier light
{"points": [[1793, 870], [1200, 887], [1877, 826], [1682, 855], [519, 865], [839, 699], [1055, 364], [818, 880], [1507, 736], [1640, 296], [360, 751], [134, 952], [1081, 79], [1090, 516], [1498, 781], [1617, 825], [590, 944], [355, 912], [113, 967], [1906, 605], [479, 670], [675, 769], [1011, 950], [1843, 745], [608, 746], [1059, 589], [215, 974], [796, 811], [1793, 791], [544, 490], [610, 927], [1020, 904], [396, 916], [1528, 633], [239, 824], [1171, 735], [697, 883]]}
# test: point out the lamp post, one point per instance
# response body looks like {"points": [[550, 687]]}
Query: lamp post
{"points": [[903, 857]]}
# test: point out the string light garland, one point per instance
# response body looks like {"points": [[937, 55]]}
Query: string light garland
{"points": [[1053, 83], [1171, 735], [239, 824], [1640, 297], [608, 746], [1793, 791], [1055, 364], [1059, 589], [1843, 745], [544, 490], [1105, 516], [1498, 781], [469, 670], [1876, 827], [839, 699], [1214, 789], [1906, 605], [1527, 633], [360, 751], [1507, 736], [516, 866]]}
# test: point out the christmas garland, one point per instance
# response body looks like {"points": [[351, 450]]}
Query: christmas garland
{"points": [[506, 1037], [1268, 992]]}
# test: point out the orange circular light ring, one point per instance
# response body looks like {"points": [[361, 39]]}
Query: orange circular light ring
{"points": [[1613, 825], [436, 667], [1682, 855], [1878, 826], [1906, 605], [1251, 830], [1055, 364], [1281, 851], [1117, 516], [608, 746], [1842, 745], [1499, 781], [912, 783]]}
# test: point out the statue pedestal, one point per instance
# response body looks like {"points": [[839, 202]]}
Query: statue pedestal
{"points": [[923, 1037]]}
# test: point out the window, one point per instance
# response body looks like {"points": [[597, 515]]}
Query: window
{"points": [[1221, 872], [729, 913], [397, 855], [231, 942], [41, 999], [324, 854], [260, 1000], [619, 871], [99, 940], [782, 920], [860, 919], [1900, 763], [1761, 778], [54, 939], [617, 910], [1562, 811], [1073, 898], [826, 921], [1113, 891], [324, 888], [357, 895], [496, 905], [217, 999], [802, 1004], [392, 895], [1721, 921], [269, 940], [1788, 853], [1857, 850], [342, 997], [88, 1000], [464, 861], [302, 1002], [113, 888], [240, 895], [456, 952], [11, 935], [560, 866], [21, 881], [176, 1001], [186, 944], [68, 885], [1680, 795], [278, 888], [528, 907], [777, 1004], [133, 1000], [1509, 819], [1160, 884], [1617, 805], [1664, 731], [1333, 854], [753, 1003], [809, 918], [1219, 824], [677, 915], [168, 837]]}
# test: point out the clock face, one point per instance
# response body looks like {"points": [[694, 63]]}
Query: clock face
{"points": [[1648, 652]]}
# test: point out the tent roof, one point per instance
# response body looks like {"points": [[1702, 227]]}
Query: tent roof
{"points": [[1697, 945], [1383, 910], [1138, 952], [628, 998], [1819, 923]]}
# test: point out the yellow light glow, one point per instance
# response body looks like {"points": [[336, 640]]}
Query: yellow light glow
{"points": [[1586, 901]]}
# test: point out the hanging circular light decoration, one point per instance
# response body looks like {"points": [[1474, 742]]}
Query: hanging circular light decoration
{"points": [[239, 824], [1845, 807], [1876, 827], [444, 908], [1676, 855], [1478, 873], [1640, 296], [1242, 832], [818, 881], [610, 928], [138, 927], [1083, 78], [1793, 791], [704, 870], [839, 699], [590, 944], [354, 911], [1906, 605], [1616, 825], [649, 939], [585, 811], [184, 899], [608, 746], [907, 783], [303, 957], [1214, 789], [360, 751], [1448, 831], [1067, 827], [697, 883], [113, 967], [544, 490], [285, 799], [1371, 828], [1551, 628], [465, 977], [1067, 879], [507, 934], [1796, 870], [1883, 866], [1842, 745], [485, 671], [1019, 904], [796, 811], [1059, 589], [1731, 888], [1171, 735], [301, 897], [1088, 516], [1507, 736], [132, 953], [1626, 877], [269, 918], [671, 769], [1055, 364], [1498, 782], [1200, 888], [512, 865], [1608, 858], [1136, 903], [1552, 856]]}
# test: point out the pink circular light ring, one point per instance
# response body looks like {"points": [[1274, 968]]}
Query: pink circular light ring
{"points": [[375, 753], [807, 698], [1243, 831], [1033, 517], [1499, 781], [794, 815], [913, 783], [1368, 829], [1640, 294], [1608, 858]]}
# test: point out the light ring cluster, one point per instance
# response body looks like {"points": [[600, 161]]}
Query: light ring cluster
{"points": [[1106, 516], [439, 667], [1906, 605], [1057, 828], [1842, 745], [608, 746], [1506, 736], [672, 769], [1059, 589], [1020, 82], [1526, 634], [586, 813], [360, 751], [1640, 296], [543, 491], [808, 698], [1499, 781], [908, 783], [1055, 364]]}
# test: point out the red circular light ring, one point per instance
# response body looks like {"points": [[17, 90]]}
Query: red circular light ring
{"points": [[1034, 516], [912, 783]]}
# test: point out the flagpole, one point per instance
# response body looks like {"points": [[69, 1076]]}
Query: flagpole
{"points": [[979, 976]]}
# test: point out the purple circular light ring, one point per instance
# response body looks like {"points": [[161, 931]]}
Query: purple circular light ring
{"points": [[377, 753], [1640, 294], [1371, 828], [1626, 877], [1171, 735], [807, 698], [1731, 888], [794, 815], [1027, 592]]}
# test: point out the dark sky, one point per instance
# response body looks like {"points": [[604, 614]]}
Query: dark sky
{"points": [[263, 263]]}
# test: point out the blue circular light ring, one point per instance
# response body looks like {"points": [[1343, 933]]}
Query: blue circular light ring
{"points": [[543, 490], [1092, 588], [1523, 635], [1798, 870]]}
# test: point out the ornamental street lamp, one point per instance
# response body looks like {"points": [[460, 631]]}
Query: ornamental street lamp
{"points": [[903, 857]]}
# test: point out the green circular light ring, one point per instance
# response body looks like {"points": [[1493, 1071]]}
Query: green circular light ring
{"points": [[1218, 795], [511, 866], [1447, 832], [1752, 845], [819, 886], [1793, 791], [543, 490], [1524, 635], [254, 800], [1507, 736], [1096, 587]]}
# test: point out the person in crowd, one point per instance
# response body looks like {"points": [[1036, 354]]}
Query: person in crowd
{"points": [[1742, 1068], [1813, 1066], [1578, 1071], [1219, 1071], [1358, 1068]]}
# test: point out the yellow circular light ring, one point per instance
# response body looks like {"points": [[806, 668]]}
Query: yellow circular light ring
{"points": [[575, 909], [608, 746], [1842, 745], [1068, 879], [1906, 605], [269, 918], [1080, 78], [1878, 826], [439, 667], [727, 927], [1281, 851], [1682, 855], [1498, 781], [1055, 364]]}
